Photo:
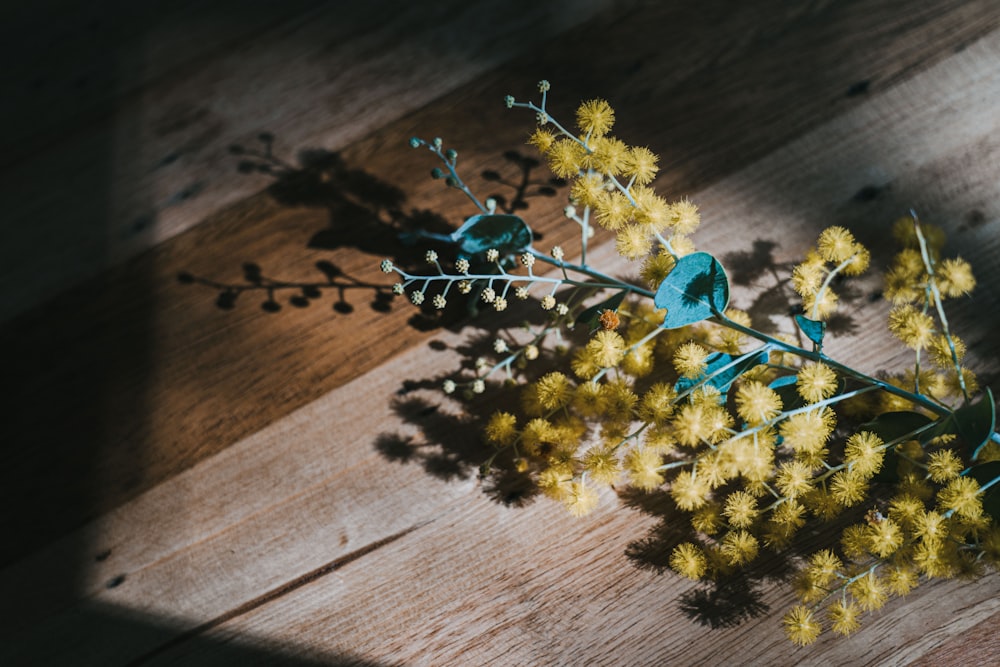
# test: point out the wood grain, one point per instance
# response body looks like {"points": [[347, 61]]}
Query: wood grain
{"points": [[124, 127], [257, 541], [257, 488], [178, 380]]}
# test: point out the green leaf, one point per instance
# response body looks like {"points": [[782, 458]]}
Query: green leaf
{"points": [[591, 315], [977, 422], [694, 290], [721, 379], [813, 329], [506, 233], [984, 474]]}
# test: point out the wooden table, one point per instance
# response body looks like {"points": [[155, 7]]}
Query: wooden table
{"points": [[196, 478]]}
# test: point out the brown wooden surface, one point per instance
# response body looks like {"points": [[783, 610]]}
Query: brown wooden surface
{"points": [[185, 483]]}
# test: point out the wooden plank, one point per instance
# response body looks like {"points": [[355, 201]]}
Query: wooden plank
{"points": [[253, 522], [150, 377], [144, 155]]}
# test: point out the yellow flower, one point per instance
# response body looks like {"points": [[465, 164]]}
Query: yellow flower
{"points": [[944, 466], [954, 277], [643, 468], [688, 560], [794, 478], [902, 579], [588, 399], [565, 157], [553, 390], [913, 327], [844, 617], [587, 190], [836, 244], [601, 465], [688, 491], [816, 381], [940, 350], [690, 360], [962, 497], [595, 117], [633, 241], [641, 165], [848, 488], [801, 625], [708, 520], [656, 267], [581, 499], [651, 209], [741, 509], [608, 156], [885, 537], [684, 217], [501, 429], [757, 403], [657, 403], [542, 140], [869, 591], [607, 348], [808, 431], [824, 566], [854, 541], [864, 453], [859, 262], [808, 276], [739, 547], [613, 210]]}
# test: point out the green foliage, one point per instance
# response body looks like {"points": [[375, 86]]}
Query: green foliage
{"points": [[694, 290], [506, 233], [813, 329]]}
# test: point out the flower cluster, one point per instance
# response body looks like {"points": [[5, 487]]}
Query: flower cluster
{"points": [[751, 436]]}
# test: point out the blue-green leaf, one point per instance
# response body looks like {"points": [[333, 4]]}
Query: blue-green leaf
{"points": [[591, 315], [506, 233], [721, 379], [694, 290], [813, 329]]}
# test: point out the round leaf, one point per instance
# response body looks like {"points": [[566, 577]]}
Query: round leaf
{"points": [[694, 290]]}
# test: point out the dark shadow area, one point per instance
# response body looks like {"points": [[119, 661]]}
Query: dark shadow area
{"points": [[115, 636], [365, 214], [775, 303]]}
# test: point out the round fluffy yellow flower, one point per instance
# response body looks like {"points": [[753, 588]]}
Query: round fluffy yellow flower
{"points": [[739, 547], [794, 478], [944, 466], [757, 403], [836, 244], [595, 117], [864, 453], [501, 429], [844, 617], [607, 348], [565, 157], [613, 210], [587, 190], [608, 156], [962, 497], [885, 537], [542, 140], [633, 241], [553, 390], [954, 277], [689, 491], [643, 468], [848, 488], [688, 560], [602, 465], [801, 625], [580, 499], [869, 591], [684, 217], [689, 360], [741, 509], [816, 381], [808, 431], [657, 403], [913, 327], [640, 165], [656, 267]]}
